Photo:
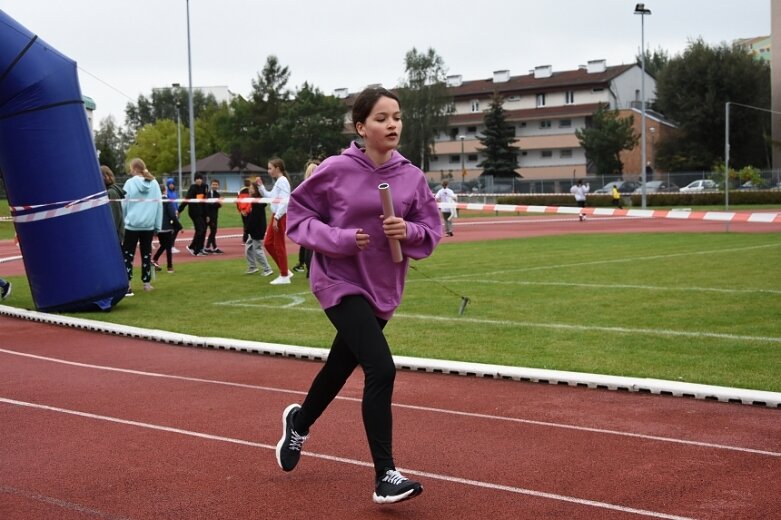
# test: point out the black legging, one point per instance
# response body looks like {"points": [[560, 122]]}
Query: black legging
{"points": [[359, 341], [166, 239], [144, 241]]}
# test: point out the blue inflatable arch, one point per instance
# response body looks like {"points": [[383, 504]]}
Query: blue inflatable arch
{"points": [[55, 189]]}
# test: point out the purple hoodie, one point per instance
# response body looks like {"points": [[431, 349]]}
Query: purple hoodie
{"points": [[329, 207]]}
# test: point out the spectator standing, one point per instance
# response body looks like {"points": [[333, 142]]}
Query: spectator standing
{"points": [[255, 229], [244, 207], [173, 195], [304, 254], [447, 196], [336, 214], [143, 217], [197, 212], [212, 215], [275, 234], [166, 235], [115, 196]]}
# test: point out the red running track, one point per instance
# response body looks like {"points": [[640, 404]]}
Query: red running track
{"points": [[97, 426]]}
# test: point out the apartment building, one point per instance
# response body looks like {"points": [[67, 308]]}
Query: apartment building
{"points": [[545, 107]]}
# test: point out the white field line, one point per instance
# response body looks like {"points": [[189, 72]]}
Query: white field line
{"points": [[661, 288], [62, 504], [354, 462], [444, 411], [609, 261], [256, 303]]}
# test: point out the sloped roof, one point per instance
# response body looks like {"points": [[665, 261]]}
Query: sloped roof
{"points": [[220, 163], [527, 82]]}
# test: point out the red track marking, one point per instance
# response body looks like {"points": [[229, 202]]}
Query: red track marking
{"points": [[508, 441]]}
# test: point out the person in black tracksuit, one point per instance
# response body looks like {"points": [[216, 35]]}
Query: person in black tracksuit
{"points": [[197, 213], [212, 214]]}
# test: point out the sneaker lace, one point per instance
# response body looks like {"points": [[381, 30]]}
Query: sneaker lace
{"points": [[394, 477], [296, 440]]}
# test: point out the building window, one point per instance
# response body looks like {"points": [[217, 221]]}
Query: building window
{"points": [[471, 158], [475, 105], [471, 129], [434, 158], [455, 159], [545, 123], [569, 97], [546, 154], [565, 154], [597, 90], [523, 124], [453, 133], [513, 131], [524, 153], [540, 100], [565, 123]]}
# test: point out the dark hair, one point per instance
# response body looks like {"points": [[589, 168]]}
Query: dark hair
{"points": [[198, 176], [278, 163], [365, 102]]}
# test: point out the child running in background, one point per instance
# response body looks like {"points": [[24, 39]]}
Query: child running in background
{"points": [[255, 230], [337, 214]]}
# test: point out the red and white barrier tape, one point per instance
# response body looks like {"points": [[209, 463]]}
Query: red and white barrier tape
{"points": [[75, 207], [718, 216]]}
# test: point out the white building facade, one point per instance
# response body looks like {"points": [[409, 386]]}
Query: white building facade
{"points": [[545, 109]]}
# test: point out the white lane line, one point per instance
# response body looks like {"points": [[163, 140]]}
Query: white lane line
{"points": [[525, 324], [354, 462], [587, 328], [62, 504], [610, 261], [406, 406], [627, 286]]}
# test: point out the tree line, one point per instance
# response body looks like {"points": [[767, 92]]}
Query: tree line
{"points": [[298, 124]]}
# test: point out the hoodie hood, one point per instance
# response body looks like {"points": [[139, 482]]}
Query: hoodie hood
{"points": [[358, 154], [141, 184]]}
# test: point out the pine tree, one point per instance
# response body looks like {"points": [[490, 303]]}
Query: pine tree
{"points": [[501, 159]]}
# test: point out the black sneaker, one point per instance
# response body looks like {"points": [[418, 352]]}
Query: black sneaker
{"points": [[217, 251], [5, 292], [156, 266], [394, 487], [300, 268], [289, 446]]}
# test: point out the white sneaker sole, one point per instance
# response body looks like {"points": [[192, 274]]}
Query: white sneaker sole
{"points": [[412, 493], [284, 431]]}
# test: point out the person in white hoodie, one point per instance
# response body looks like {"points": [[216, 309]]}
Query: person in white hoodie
{"points": [[143, 210], [275, 235]]}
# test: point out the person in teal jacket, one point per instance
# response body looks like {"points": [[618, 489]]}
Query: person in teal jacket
{"points": [[143, 210]]}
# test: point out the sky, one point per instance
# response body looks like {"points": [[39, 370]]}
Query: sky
{"points": [[125, 48]]}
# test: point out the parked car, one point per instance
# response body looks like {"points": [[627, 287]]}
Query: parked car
{"points": [[624, 187], [700, 185], [657, 187], [751, 185]]}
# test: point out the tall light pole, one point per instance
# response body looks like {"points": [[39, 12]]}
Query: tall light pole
{"points": [[463, 168], [190, 102], [178, 134], [642, 11]]}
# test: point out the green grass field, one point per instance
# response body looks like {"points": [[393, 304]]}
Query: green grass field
{"points": [[703, 308]]}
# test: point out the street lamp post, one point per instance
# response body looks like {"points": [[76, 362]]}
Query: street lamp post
{"points": [[190, 101], [642, 11], [463, 168], [178, 135]]}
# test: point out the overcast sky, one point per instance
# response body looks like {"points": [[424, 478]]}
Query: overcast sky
{"points": [[124, 48]]}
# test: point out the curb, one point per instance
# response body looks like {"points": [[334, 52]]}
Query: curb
{"points": [[535, 375]]}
